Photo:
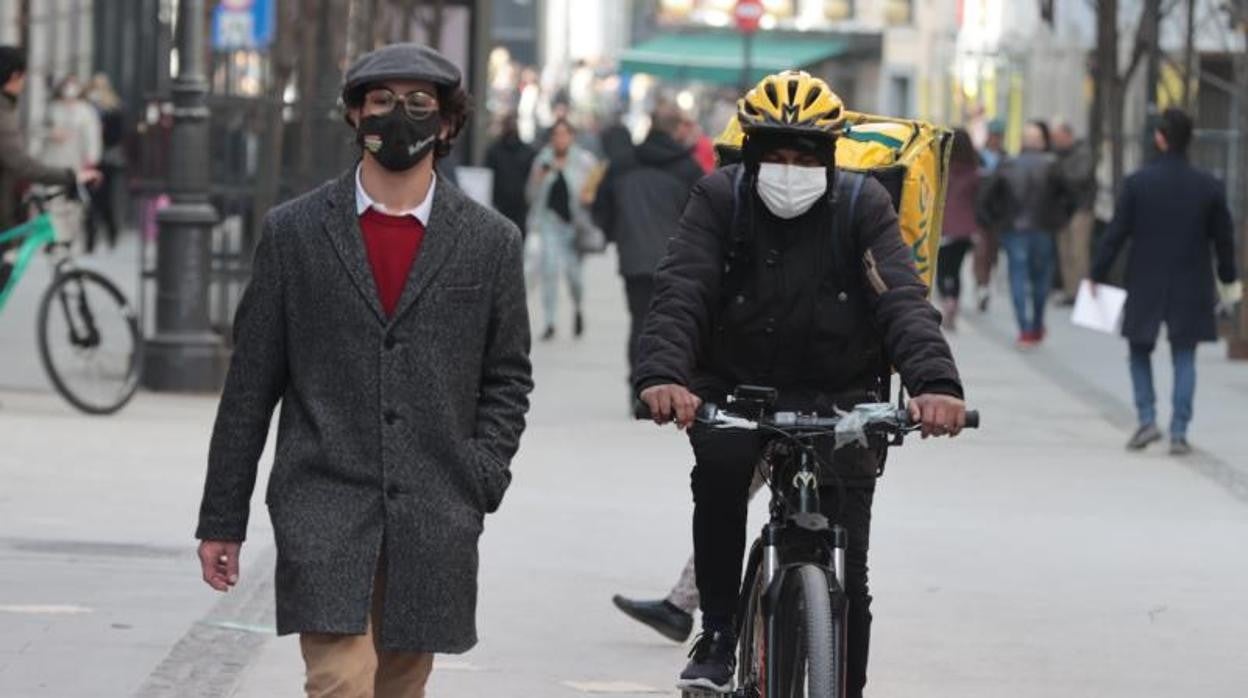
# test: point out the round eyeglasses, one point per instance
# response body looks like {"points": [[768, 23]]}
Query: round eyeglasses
{"points": [[418, 105]]}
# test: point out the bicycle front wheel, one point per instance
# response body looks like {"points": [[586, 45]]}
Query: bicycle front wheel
{"points": [[807, 663], [89, 342]]}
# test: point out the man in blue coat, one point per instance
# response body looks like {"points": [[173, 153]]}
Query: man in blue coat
{"points": [[1173, 214]]}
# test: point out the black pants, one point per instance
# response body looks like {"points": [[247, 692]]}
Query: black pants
{"points": [[721, 479], [949, 268], [639, 289], [101, 210]]}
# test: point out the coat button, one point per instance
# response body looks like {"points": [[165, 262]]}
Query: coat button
{"points": [[390, 416], [740, 300], [389, 342], [842, 296]]}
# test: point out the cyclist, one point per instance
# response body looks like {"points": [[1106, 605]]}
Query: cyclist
{"points": [[16, 165], [789, 273]]}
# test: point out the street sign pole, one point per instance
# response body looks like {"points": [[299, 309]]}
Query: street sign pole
{"points": [[185, 355], [748, 14]]}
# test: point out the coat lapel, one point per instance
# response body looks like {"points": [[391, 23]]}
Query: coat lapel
{"points": [[343, 227], [441, 238]]}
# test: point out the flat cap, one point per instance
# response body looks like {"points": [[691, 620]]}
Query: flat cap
{"points": [[407, 61]]}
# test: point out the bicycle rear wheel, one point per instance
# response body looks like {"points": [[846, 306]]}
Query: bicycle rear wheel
{"points": [[807, 661], [89, 342]]}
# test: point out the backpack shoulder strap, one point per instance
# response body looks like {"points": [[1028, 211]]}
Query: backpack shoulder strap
{"points": [[845, 199]]}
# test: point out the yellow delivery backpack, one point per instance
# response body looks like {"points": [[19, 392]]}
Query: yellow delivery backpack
{"points": [[910, 158]]}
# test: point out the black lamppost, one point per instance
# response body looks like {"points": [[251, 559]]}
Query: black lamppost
{"points": [[185, 354]]}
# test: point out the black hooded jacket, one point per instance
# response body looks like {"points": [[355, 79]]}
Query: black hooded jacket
{"points": [[807, 312], [640, 201]]}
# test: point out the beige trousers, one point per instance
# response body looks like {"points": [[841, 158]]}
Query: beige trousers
{"points": [[1074, 249], [355, 666]]}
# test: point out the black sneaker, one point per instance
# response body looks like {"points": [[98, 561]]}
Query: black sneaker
{"points": [[711, 665], [578, 324], [1144, 436], [549, 334], [1180, 447], [671, 622]]}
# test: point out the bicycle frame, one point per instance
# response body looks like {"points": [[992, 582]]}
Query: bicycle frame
{"points": [[805, 520], [38, 233]]}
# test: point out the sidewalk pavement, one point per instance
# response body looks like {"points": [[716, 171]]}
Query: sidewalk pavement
{"points": [[1032, 558]]}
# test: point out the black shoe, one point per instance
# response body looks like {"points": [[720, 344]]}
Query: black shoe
{"points": [[578, 324], [712, 663], [1180, 447], [670, 622], [1144, 436], [549, 334]]}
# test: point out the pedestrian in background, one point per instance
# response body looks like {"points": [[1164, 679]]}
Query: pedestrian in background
{"points": [[959, 224], [103, 97], [511, 160], [1175, 216], [72, 139], [16, 164], [987, 241], [559, 174], [1019, 194], [1076, 181], [639, 208], [386, 312]]}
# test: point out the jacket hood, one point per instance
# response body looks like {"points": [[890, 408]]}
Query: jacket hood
{"points": [[660, 149]]}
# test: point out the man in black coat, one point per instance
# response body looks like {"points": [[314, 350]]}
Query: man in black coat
{"points": [[638, 206], [1173, 214], [789, 273], [386, 312], [510, 159]]}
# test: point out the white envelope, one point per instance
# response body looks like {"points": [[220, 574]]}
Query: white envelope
{"points": [[1102, 312]]}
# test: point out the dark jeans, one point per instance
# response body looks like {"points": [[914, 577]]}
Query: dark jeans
{"points": [[102, 209], [949, 268], [726, 461], [1184, 358], [639, 289], [1033, 258]]}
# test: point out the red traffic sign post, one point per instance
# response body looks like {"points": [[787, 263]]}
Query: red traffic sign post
{"points": [[748, 13]]}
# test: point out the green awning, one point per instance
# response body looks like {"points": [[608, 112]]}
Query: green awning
{"points": [[718, 57]]}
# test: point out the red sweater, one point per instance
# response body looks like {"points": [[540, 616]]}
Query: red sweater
{"points": [[393, 244]]}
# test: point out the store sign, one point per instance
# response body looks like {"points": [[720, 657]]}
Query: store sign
{"points": [[242, 25]]}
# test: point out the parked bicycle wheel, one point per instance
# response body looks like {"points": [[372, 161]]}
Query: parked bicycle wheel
{"points": [[89, 341], [806, 654]]}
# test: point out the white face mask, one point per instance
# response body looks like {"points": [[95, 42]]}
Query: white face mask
{"points": [[790, 190]]}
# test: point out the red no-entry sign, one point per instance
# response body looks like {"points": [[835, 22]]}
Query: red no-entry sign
{"points": [[748, 13]]}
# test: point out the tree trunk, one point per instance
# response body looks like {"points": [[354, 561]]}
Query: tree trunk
{"points": [[1189, 57]]}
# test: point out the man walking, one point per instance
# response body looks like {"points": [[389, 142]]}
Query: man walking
{"points": [[639, 205], [1076, 184], [386, 312], [1173, 214], [16, 164], [1021, 193]]}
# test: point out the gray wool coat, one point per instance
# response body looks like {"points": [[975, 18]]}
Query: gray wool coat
{"points": [[394, 433]]}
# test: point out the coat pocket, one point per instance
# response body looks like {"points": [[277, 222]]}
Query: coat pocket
{"points": [[461, 293], [490, 479]]}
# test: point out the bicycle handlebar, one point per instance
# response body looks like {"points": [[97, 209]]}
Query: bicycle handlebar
{"points": [[711, 415], [40, 199]]}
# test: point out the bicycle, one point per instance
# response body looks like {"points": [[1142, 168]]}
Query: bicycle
{"points": [[88, 333], [791, 620]]}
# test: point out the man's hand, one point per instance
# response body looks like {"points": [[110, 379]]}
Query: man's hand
{"points": [[219, 561], [671, 401], [89, 176], [940, 415]]}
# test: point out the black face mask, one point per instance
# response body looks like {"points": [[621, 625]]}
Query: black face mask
{"points": [[397, 140]]}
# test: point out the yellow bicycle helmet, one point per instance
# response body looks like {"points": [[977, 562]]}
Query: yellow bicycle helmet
{"points": [[728, 143], [794, 102]]}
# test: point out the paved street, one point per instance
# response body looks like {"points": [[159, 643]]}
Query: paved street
{"points": [[1034, 558]]}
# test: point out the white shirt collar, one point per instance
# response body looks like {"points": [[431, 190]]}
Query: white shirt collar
{"points": [[363, 201]]}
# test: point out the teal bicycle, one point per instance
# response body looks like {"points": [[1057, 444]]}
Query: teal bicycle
{"points": [[88, 332]]}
